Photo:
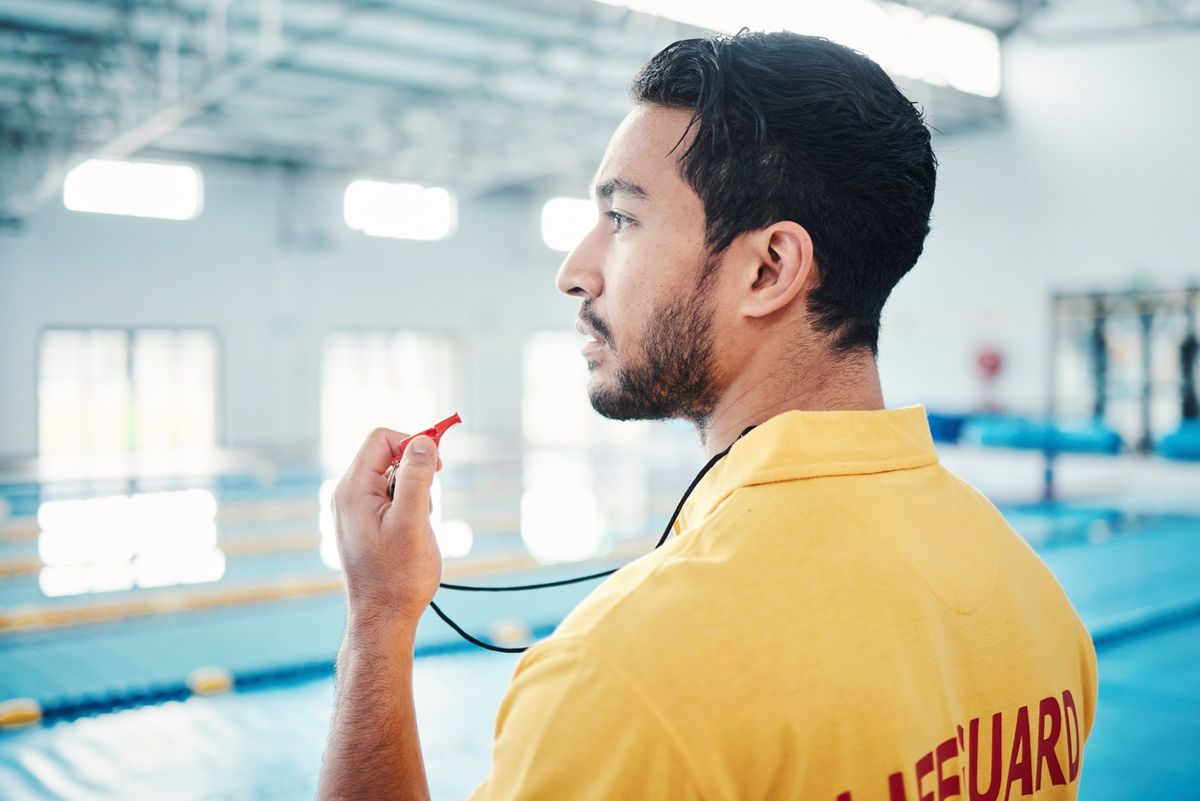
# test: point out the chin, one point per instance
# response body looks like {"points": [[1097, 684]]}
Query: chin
{"points": [[598, 380]]}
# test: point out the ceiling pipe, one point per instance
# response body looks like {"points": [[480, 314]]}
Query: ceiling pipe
{"points": [[168, 62], [218, 23]]}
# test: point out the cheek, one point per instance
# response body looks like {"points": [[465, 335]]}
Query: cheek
{"points": [[632, 290], [627, 304]]}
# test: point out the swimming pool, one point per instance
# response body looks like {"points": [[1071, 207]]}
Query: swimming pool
{"points": [[1134, 577]]}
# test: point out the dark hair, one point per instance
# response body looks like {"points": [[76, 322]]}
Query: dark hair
{"points": [[794, 127]]}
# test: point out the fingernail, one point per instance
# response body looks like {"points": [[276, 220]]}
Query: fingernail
{"points": [[421, 446]]}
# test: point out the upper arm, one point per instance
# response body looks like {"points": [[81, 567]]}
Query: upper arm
{"points": [[572, 727]]}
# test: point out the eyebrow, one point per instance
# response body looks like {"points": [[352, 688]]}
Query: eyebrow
{"points": [[612, 186]]}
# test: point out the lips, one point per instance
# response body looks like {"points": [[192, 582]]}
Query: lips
{"points": [[585, 330]]}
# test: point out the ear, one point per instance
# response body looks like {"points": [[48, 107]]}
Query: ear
{"points": [[781, 266]]}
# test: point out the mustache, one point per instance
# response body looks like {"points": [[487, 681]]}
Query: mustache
{"points": [[588, 316]]}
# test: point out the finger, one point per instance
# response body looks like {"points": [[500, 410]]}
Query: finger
{"points": [[377, 451], [414, 474], [390, 477]]}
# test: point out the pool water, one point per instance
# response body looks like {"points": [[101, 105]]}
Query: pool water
{"points": [[264, 744], [1135, 580]]}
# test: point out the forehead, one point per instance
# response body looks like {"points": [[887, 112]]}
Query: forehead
{"points": [[640, 151]]}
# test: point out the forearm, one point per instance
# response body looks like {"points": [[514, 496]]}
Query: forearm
{"points": [[374, 751]]}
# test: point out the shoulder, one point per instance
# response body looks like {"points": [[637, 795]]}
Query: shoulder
{"points": [[565, 699], [691, 592]]}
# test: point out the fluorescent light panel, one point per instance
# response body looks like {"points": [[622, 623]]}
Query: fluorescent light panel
{"points": [[134, 188], [399, 211], [903, 40]]}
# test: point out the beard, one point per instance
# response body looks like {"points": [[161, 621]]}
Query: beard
{"points": [[677, 376]]}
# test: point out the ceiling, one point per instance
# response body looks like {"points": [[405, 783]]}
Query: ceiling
{"points": [[472, 94]]}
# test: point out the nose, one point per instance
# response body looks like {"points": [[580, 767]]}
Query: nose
{"points": [[579, 276]]}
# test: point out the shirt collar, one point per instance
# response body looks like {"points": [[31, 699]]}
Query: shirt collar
{"points": [[810, 444]]}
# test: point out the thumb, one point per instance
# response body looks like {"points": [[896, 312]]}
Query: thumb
{"points": [[414, 474]]}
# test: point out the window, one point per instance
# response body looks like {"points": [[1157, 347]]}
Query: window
{"points": [[174, 390], [134, 188], [585, 479], [401, 211], [83, 392], [109, 391], [401, 380], [106, 392]]}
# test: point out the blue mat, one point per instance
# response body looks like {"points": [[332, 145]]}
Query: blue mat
{"points": [[945, 427], [1024, 434], [1183, 443]]}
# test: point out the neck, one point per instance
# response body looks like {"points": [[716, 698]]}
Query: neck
{"points": [[762, 390]]}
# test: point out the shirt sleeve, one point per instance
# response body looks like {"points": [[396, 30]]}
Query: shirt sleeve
{"points": [[573, 726]]}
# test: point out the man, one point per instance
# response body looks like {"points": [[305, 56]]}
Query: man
{"points": [[838, 617]]}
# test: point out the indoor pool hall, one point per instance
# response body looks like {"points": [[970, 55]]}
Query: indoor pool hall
{"points": [[599, 399]]}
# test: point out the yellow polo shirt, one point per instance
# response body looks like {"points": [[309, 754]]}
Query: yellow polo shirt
{"points": [[839, 618]]}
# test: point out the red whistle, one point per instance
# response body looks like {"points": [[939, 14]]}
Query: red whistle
{"points": [[434, 433]]}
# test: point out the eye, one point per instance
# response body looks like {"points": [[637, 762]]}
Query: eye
{"points": [[619, 220]]}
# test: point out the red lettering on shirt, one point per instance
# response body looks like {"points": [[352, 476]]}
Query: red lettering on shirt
{"points": [[1071, 717], [924, 768], [962, 763], [1025, 757], [993, 788], [946, 785], [1019, 768], [1047, 740]]}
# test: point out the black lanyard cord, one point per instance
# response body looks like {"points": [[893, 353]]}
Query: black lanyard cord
{"points": [[462, 633], [562, 582]]}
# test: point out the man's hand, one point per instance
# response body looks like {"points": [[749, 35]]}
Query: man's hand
{"points": [[393, 567], [388, 550]]}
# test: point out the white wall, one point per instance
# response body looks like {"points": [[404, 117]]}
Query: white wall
{"points": [[1093, 180], [272, 304]]}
